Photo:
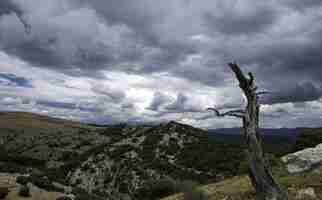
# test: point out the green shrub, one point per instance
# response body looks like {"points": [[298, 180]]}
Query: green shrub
{"points": [[63, 198], [195, 194], [24, 191], [308, 138], [4, 191], [23, 180], [186, 185], [157, 189], [190, 191], [163, 187], [44, 183], [81, 194]]}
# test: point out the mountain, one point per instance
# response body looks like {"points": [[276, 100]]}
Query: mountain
{"points": [[276, 141], [140, 155], [99, 162], [289, 132]]}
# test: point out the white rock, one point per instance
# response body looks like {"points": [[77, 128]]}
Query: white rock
{"points": [[303, 160], [306, 193]]}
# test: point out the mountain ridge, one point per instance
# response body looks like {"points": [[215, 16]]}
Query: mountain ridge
{"points": [[88, 158]]}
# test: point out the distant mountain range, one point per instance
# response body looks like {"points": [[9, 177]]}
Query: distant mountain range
{"points": [[265, 131]]}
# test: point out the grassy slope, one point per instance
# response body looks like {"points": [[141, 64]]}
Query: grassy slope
{"points": [[239, 187], [31, 121]]}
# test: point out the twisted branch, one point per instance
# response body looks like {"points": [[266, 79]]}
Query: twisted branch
{"points": [[232, 113]]}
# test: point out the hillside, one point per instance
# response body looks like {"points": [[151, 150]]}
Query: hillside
{"points": [[92, 158], [299, 174], [145, 154], [306, 176], [97, 162], [28, 122], [239, 187]]}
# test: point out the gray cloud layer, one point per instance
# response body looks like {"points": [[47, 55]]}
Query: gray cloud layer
{"points": [[279, 41]]}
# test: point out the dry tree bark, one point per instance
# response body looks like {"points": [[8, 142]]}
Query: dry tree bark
{"points": [[259, 171]]}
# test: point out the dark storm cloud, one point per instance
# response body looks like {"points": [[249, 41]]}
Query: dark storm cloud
{"points": [[58, 46], [56, 104], [247, 23], [36, 52], [303, 5], [147, 42], [9, 7], [64, 105], [46, 51], [291, 59], [277, 114], [299, 93], [13, 80], [138, 16], [121, 34]]}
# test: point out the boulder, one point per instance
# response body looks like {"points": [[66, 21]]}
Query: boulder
{"points": [[303, 160], [307, 193]]}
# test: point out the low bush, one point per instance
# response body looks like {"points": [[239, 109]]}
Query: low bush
{"points": [[157, 189], [195, 194], [186, 186], [63, 198], [4, 191], [24, 191], [23, 180], [81, 194]]}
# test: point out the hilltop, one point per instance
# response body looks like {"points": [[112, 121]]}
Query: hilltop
{"points": [[91, 158], [31, 121]]}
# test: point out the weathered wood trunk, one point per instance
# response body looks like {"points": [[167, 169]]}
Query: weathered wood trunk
{"points": [[259, 172]]}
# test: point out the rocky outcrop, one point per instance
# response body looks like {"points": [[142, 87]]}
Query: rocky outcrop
{"points": [[307, 193], [135, 156], [303, 160], [11, 190]]}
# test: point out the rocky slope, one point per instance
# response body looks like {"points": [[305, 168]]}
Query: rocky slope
{"points": [[301, 177], [9, 189], [303, 160], [36, 141], [139, 155], [117, 158]]}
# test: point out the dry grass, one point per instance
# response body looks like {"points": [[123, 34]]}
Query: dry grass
{"points": [[30, 121], [239, 187], [35, 194], [9, 181]]}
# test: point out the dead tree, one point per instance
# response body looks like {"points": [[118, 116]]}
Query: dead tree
{"points": [[259, 171]]}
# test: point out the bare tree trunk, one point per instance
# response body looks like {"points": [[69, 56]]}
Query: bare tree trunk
{"points": [[259, 172]]}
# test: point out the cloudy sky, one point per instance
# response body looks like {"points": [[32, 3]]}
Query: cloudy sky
{"points": [[147, 61]]}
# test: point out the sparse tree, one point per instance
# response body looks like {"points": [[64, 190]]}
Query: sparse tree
{"points": [[259, 171]]}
